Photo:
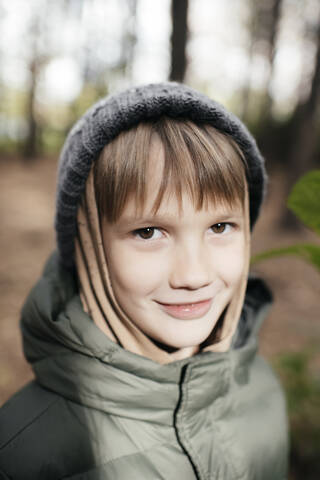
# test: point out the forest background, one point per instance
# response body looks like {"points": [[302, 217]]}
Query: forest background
{"points": [[260, 59]]}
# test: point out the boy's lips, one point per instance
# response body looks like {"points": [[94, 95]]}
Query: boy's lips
{"points": [[187, 310]]}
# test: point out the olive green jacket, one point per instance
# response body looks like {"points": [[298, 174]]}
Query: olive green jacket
{"points": [[97, 411]]}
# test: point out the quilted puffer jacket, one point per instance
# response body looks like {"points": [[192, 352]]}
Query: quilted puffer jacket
{"points": [[96, 411]]}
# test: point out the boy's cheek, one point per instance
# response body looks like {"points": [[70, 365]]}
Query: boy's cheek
{"points": [[233, 259], [133, 271]]}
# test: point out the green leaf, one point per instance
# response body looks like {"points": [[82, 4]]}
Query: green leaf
{"points": [[304, 200], [308, 252]]}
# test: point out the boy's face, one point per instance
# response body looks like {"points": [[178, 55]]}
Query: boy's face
{"points": [[174, 272]]}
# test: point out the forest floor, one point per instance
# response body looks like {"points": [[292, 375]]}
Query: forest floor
{"points": [[27, 198]]}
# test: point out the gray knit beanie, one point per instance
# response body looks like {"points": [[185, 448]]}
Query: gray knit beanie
{"points": [[108, 117]]}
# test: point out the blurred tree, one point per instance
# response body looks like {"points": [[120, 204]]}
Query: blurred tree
{"points": [[305, 134], [129, 38], [37, 59], [98, 71], [270, 21], [179, 36], [263, 27], [30, 146]]}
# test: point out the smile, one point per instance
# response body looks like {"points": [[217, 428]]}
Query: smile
{"points": [[187, 311]]}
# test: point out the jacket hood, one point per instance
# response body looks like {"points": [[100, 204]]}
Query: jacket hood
{"points": [[71, 357], [113, 114]]}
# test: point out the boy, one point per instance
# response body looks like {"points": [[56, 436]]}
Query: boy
{"points": [[142, 330]]}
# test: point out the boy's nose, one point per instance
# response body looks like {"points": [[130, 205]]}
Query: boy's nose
{"points": [[190, 269]]}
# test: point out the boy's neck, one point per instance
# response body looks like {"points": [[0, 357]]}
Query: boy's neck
{"points": [[177, 353]]}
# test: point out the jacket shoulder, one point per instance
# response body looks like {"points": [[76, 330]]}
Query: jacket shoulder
{"points": [[22, 410], [41, 436]]}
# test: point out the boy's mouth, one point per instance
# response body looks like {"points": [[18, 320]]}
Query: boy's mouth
{"points": [[187, 310]]}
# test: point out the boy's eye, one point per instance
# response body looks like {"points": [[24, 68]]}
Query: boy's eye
{"points": [[148, 233], [221, 227]]}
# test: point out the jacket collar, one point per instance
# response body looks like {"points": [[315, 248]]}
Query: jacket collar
{"points": [[71, 356]]}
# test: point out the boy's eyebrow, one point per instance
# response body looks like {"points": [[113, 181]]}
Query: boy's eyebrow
{"points": [[149, 218], [222, 215]]}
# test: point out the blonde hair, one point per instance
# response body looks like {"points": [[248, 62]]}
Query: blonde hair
{"points": [[199, 159]]}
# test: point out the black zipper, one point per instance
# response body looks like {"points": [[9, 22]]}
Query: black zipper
{"points": [[182, 377]]}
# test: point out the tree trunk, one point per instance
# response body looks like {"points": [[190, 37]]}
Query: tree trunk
{"points": [[179, 14], [305, 138], [30, 147], [272, 23], [35, 62], [263, 27], [252, 27]]}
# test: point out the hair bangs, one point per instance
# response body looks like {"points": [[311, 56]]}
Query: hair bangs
{"points": [[199, 160]]}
